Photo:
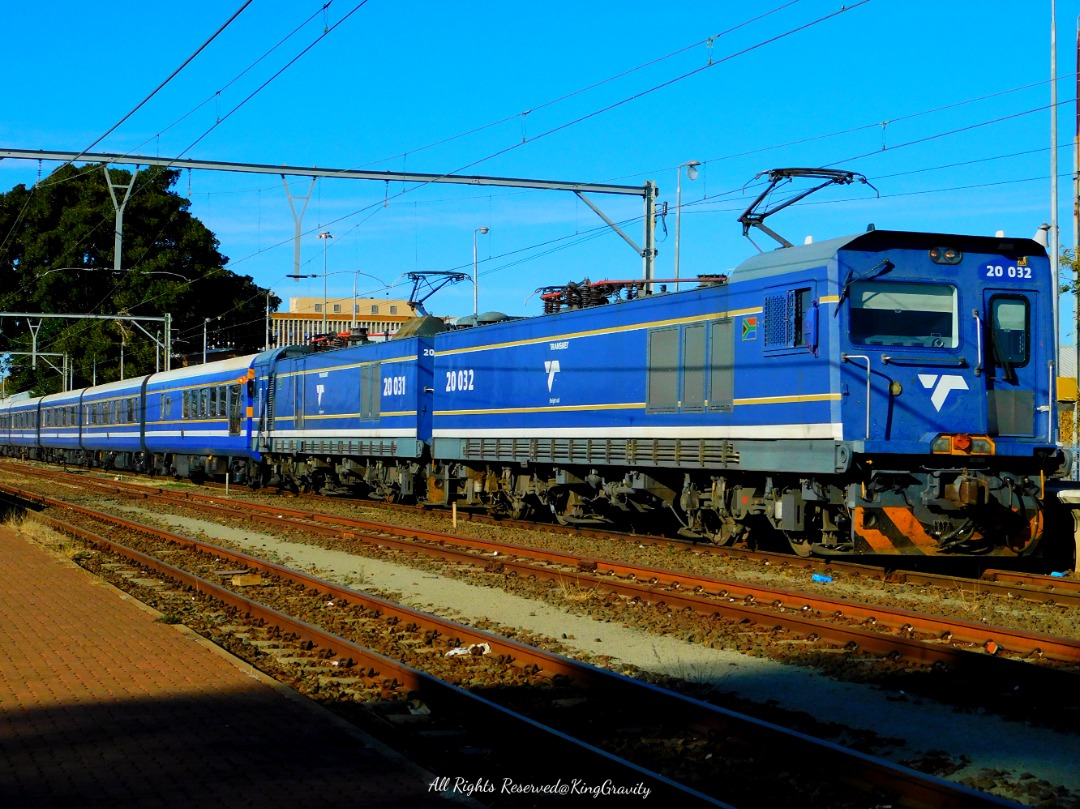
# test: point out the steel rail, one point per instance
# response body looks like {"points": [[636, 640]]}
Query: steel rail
{"points": [[1028, 586]]}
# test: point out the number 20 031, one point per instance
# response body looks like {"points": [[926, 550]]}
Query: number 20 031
{"points": [[459, 380], [393, 386], [998, 271]]}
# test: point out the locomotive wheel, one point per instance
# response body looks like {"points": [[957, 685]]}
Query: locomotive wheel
{"points": [[565, 508], [799, 543], [821, 528]]}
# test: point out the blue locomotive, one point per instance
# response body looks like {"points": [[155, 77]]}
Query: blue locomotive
{"points": [[888, 392], [355, 420]]}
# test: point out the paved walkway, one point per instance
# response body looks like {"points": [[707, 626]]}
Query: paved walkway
{"points": [[102, 706]]}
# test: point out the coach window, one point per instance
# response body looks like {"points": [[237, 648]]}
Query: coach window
{"points": [[896, 314]]}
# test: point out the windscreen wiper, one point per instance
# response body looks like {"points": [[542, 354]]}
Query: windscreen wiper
{"points": [[878, 270]]}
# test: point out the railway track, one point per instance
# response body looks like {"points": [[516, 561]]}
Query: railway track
{"points": [[576, 711], [983, 662], [1056, 589], [1059, 588]]}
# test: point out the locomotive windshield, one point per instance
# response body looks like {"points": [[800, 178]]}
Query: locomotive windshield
{"points": [[886, 313]]}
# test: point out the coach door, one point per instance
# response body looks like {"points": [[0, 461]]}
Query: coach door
{"points": [[236, 409], [1011, 372]]}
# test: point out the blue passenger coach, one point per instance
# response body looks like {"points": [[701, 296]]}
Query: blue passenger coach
{"points": [[19, 426], [198, 420], [882, 393], [111, 423], [61, 427]]}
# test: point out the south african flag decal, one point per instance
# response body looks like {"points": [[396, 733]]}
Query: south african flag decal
{"points": [[749, 328]]}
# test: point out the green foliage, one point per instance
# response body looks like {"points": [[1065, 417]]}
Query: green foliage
{"points": [[56, 257], [1069, 265]]}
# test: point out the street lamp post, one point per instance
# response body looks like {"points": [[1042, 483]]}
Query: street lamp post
{"points": [[324, 236], [352, 318], [691, 172], [269, 292], [475, 288], [205, 321], [355, 274]]}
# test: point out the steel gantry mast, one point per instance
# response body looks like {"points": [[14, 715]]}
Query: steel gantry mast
{"points": [[647, 191]]}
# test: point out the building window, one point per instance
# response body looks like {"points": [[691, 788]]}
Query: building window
{"points": [[374, 310], [393, 310], [337, 308], [318, 307]]}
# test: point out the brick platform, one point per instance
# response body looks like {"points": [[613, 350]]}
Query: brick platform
{"points": [[100, 705]]}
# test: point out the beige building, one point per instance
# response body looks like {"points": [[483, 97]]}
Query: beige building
{"points": [[382, 317]]}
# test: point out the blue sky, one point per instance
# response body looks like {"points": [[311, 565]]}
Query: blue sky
{"points": [[615, 92]]}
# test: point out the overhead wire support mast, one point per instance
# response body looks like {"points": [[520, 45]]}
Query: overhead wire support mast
{"points": [[647, 191], [134, 319]]}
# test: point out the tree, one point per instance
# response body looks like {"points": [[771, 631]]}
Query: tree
{"points": [[56, 257]]}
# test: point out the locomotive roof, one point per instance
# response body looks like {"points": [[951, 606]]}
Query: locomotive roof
{"points": [[786, 259]]}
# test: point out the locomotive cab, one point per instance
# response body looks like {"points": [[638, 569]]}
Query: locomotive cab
{"points": [[947, 383]]}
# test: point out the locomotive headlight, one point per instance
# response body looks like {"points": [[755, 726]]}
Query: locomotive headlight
{"points": [[945, 255], [962, 444]]}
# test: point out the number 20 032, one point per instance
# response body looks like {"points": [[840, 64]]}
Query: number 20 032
{"points": [[998, 271], [459, 380]]}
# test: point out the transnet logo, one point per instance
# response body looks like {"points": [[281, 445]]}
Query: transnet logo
{"points": [[552, 368], [942, 385]]}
